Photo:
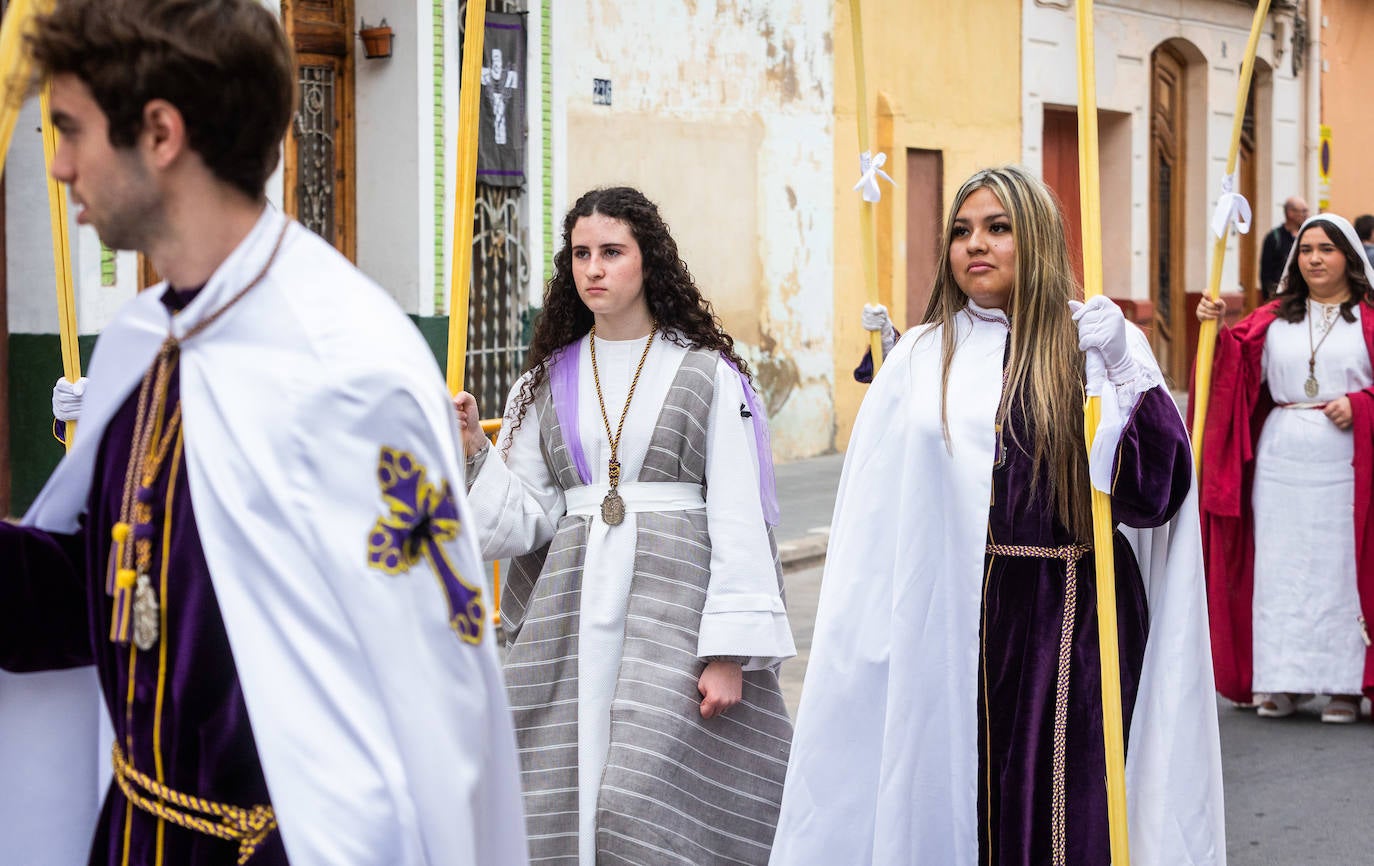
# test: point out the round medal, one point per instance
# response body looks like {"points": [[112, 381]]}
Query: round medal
{"points": [[613, 509]]}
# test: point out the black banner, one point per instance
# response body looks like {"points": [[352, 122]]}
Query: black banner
{"points": [[501, 151]]}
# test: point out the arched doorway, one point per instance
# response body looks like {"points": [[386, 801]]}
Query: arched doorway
{"points": [[1168, 172]]}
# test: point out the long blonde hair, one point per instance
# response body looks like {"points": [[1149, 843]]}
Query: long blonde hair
{"points": [[1044, 375]]}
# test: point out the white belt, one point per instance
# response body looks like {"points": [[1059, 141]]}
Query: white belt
{"points": [[1320, 405], [638, 496]]}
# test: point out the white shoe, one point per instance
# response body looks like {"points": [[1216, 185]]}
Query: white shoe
{"points": [[1341, 711], [1277, 705]]}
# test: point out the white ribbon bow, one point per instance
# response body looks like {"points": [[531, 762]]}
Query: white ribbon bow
{"points": [[1231, 207], [871, 168]]}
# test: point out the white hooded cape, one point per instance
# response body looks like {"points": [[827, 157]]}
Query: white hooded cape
{"points": [[384, 738], [884, 761]]}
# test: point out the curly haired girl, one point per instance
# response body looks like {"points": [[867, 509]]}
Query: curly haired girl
{"points": [[643, 609]]}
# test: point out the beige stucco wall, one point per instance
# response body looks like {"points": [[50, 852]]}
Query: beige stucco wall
{"points": [[1347, 88], [952, 79], [721, 113]]}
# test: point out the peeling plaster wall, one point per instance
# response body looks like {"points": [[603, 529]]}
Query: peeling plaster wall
{"points": [[950, 76], [721, 113], [1214, 35]]}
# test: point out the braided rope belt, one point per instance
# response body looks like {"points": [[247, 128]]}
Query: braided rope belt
{"points": [[248, 827], [1070, 554]]}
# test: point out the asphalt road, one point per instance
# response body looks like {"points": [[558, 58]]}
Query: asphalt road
{"points": [[1298, 792]]}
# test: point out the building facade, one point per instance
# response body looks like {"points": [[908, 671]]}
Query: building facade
{"points": [[1167, 75], [739, 118]]}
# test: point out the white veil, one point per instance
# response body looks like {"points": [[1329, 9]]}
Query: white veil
{"points": [[1340, 223]]}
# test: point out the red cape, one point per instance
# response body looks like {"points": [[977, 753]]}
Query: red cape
{"points": [[1235, 415]]}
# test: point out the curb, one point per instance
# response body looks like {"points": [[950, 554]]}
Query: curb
{"points": [[809, 550]]}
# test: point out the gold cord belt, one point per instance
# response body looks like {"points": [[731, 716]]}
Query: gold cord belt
{"points": [[1070, 554], [248, 827]]}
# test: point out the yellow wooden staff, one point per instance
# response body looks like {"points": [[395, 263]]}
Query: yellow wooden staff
{"points": [[1103, 548], [1207, 334], [62, 260], [469, 102], [16, 72], [867, 235]]}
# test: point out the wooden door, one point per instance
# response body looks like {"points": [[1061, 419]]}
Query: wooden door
{"points": [[1167, 179], [1059, 147], [925, 197], [320, 146], [1249, 187]]}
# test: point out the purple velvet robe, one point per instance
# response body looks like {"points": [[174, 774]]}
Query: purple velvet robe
{"points": [[1022, 615], [178, 708]]}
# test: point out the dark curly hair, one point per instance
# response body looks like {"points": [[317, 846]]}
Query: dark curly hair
{"points": [[1293, 297], [224, 64], [675, 303]]}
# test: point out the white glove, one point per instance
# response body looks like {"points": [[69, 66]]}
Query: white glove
{"points": [[67, 398], [1102, 326], [875, 318]]}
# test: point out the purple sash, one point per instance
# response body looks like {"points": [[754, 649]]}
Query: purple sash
{"points": [[564, 372], [768, 485]]}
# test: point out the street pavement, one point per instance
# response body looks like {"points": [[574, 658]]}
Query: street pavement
{"points": [[1297, 791]]}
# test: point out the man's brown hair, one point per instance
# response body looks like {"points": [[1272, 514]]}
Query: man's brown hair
{"points": [[224, 64]]}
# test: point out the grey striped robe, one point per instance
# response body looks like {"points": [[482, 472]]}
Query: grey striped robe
{"points": [[677, 789]]}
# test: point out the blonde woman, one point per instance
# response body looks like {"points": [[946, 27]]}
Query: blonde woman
{"points": [[952, 708]]}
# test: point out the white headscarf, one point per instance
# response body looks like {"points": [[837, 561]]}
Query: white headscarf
{"points": [[1343, 225]]}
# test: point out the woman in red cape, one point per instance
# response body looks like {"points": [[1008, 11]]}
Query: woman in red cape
{"points": [[1288, 421]]}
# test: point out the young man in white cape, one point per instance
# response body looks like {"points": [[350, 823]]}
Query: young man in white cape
{"points": [[259, 537]]}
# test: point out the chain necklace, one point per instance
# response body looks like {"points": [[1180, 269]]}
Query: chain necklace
{"points": [[1310, 387], [136, 607], [613, 507]]}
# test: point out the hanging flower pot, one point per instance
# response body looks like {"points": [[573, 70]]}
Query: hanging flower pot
{"points": [[376, 40]]}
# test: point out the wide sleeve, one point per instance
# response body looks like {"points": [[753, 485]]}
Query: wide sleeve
{"points": [[1154, 465], [516, 501], [744, 614], [43, 605], [1227, 439], [1153, 461]]}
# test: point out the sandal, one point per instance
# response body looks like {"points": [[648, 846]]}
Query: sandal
{"points": [[1341, 711], [1277, 705]]}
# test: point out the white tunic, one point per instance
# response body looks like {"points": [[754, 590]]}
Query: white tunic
{"points": [[517, 505], [1306, 606]]}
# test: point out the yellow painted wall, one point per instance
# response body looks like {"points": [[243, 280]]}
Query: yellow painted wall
{"points": [[1346, 93], [951, 74]]}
